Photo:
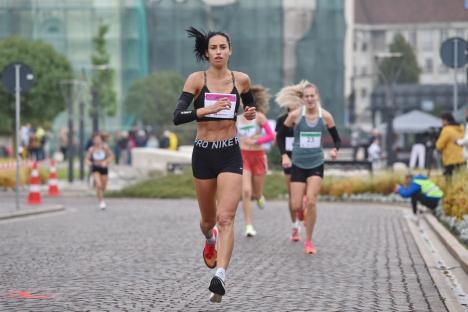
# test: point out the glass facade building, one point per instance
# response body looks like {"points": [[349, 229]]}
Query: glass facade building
{"points": [[276, 42], [259, 30], [70, 25]]}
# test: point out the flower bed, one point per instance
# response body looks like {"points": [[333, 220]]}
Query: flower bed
{"points": [[453, 211], [8, 174]]}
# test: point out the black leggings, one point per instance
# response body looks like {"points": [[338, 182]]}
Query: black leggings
{"points": [[425, 201]]}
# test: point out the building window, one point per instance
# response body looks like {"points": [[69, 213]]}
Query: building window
{"points": [[379, 40], [428, 65], [443, 34], [364, 47], [426, 41], [364, 71], [412, 38]]}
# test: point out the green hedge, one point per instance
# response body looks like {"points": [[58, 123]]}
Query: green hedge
{"points": [[181, 186]]}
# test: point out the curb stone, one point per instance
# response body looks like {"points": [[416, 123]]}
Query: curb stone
{"points": [[30, 212], [456, 249]]}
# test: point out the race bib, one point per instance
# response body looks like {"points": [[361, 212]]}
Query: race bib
{"points": [[310, 139], [289, 144], [248, 130], [99, 155], [212, 98]]}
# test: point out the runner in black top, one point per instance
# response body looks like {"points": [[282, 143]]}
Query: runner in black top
{"points": [[216, 158]]}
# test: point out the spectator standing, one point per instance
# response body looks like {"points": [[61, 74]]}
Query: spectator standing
{"points": [[452, 153], [418, 152], [464, 142]]}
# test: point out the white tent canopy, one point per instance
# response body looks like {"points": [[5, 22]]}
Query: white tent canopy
{"points": [[413, 122]]}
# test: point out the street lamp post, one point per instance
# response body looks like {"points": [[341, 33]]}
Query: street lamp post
{"points": [[94, 109], [389, 105], [81, 128], [71, 91]]}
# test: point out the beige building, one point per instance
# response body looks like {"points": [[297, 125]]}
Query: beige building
{"points": [[425, 24]]}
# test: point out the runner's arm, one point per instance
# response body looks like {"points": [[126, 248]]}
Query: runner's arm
{"points": [[109, 154], [280, 135], [269, 134], [332, 129], [291, 119], [88, 156], [182, 114]]}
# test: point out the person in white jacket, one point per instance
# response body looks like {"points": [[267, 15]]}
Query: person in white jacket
{"points": [[464, 142]]}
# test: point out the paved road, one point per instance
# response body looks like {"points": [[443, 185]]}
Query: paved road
{"points": [[145, 255]]}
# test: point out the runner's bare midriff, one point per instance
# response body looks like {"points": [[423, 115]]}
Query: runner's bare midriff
{"points": [[216, 130], [250, 147]]}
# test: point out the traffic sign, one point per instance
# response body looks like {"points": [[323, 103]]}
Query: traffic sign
{"points": [[26, 77], [452, 52]]}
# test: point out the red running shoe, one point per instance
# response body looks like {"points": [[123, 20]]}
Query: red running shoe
{"points": [[209, 252], [295, 237], [309, 247]]}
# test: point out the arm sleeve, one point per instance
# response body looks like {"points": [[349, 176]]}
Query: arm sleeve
{"points": [[409, 191], [181, 114], [269, 134], [248, 99], [336, 137], [281, 137]]}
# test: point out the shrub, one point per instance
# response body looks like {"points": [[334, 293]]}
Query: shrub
{"points": [[8, 176], [456, 195]]}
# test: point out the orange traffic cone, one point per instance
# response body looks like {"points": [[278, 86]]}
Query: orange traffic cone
{"points": [[34, 197], [53, 187]]}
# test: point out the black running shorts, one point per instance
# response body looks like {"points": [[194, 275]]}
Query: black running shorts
{"points": [[301, 175], [99, 169], [209, 159]]}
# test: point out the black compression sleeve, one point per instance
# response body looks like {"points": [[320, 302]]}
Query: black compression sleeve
{"points": [[336, 137], [248, 99], [181, 114], [280, 137]]}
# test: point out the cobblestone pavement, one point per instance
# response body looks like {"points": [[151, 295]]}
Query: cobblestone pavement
{"points": [[145, 255]]}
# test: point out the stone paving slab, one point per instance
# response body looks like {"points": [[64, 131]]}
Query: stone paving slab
{"points": [[145, 255]]}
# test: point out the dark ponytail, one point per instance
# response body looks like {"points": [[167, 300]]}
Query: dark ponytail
{"points": [[201, 41]]}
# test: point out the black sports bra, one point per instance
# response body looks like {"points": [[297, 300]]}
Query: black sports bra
{"points": [[206, 97]]}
